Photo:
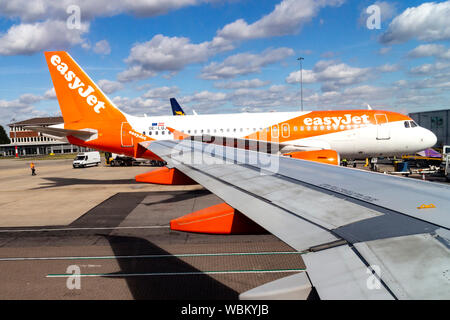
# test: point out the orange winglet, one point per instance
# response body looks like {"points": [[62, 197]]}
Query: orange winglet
{"points": [[218, 219], [165, 175], [324, 156]]}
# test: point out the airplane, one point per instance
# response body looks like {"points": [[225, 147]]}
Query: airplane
{"points": [[362, 235], [176, 108]]}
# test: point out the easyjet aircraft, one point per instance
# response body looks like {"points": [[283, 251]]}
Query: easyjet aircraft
{"points": [[363, 235], [351, 133]]}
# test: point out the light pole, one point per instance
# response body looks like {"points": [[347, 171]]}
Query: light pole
{"points": [[13, 120], [301, 80]]}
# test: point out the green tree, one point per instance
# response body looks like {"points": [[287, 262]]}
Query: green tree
{"points": [[4, 139]]}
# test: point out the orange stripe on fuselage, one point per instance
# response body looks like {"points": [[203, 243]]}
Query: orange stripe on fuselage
{"points": [[317, 123]]}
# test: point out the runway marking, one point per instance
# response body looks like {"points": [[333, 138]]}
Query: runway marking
{"points": [[65, 275], [86, 228], [155, 256]]}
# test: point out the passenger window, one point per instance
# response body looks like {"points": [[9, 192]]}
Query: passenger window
{"points": [[149, 133], [406, 123], [143, 133], [156, 132], [163, 132]]}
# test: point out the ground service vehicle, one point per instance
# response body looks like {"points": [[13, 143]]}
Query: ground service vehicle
{"points": [[86, 159]]}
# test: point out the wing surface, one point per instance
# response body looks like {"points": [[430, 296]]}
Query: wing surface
{"points": [[364, 235]]}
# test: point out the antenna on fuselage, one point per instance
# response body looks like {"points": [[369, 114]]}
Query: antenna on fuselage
{"points": [[369, 107]]}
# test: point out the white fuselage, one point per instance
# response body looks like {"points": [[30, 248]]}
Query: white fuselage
{"points": [[351, 141]]}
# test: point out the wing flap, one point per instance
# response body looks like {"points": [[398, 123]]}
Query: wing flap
{"points": [[427, 276], [338, 273]]}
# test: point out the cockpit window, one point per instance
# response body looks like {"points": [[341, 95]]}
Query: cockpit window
{"points": [[406, 123], [413, 124]]}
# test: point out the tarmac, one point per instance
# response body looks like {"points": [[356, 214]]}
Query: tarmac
{"points": [[115, 232]]}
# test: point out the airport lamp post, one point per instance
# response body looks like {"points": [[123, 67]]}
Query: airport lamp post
{"points": [[16, 151], [301, 80]]}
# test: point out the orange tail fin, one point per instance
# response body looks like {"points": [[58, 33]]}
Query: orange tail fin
{"points": [[80, 99]]}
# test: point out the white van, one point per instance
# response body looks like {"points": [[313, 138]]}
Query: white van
{"points": [[85, 159]]}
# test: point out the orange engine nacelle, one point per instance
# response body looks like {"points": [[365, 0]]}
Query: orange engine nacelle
{"points": [[165, 175], [324, 156], [217, 219]]}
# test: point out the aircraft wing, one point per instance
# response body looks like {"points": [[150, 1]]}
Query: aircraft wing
{"points": [[363, 235]]}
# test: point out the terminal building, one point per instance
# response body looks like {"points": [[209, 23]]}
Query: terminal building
{"points": [[437, 121], [28, 142]]}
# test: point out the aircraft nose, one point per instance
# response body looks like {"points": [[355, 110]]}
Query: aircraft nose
{"points": [[429, 138]]}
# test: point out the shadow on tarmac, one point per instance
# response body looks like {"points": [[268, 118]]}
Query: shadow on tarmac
{"points": [[177, 197], [180, 287], [61, 182], [112, 212]]}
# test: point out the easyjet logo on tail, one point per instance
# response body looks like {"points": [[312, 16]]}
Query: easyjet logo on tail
{"points": [[346, 119], [75, 83]]}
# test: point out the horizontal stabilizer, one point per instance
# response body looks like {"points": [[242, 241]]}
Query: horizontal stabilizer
{"points": [[60, 132]]}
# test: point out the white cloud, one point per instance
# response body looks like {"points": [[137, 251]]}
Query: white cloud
{"points": [[50, 94], [253, 83], [135, 73], [36, 10], [384, 50], [331, 74], [428, 50], [109, 86], [388, 68], [23, 107], [244, 63], [164, 54], [287, 18], [172, 54], [102, 47], [139, 105], [30, 38], [161, 93], [43, 22], [427, 22], [429, 69]]}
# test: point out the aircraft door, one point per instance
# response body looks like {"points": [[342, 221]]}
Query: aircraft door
{"points": [[383, 131], [126, 137]]}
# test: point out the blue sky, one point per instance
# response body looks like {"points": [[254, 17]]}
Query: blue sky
{"points": [[221, 56]]}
